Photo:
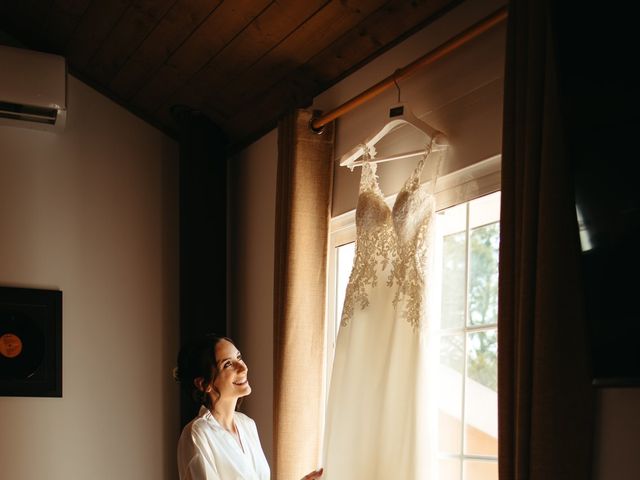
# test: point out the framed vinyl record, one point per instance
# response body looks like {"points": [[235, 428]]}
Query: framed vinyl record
{"points": [[30, 342]]}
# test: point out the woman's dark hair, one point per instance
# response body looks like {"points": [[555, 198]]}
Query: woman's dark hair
{"points": [[197, 358]]}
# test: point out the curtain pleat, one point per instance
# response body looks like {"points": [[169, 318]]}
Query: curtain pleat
{"points": [[545, 394], [304, 188]]}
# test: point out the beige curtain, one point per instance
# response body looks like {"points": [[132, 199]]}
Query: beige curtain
{"points": [[545, 397], [305, 178]]}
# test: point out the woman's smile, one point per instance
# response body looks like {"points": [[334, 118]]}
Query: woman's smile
{"points": [[232, 379]]}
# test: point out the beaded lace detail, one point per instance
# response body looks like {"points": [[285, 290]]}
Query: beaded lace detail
{"points": [[412, 217], [391, 242]]}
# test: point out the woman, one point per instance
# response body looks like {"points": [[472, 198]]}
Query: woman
{"points": [[220, 443]]}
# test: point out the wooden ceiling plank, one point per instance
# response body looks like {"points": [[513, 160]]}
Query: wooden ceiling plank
{"points": [[214, 36], [15, 18], [55, 16], [94, 27], [64, 17], [225, 23], [261, 116], [385, 28], [260, 36], [171, 32], [252, 120], [63, 21], [25, 20], [73, 7], [131, 30], [313, 36], [60, 26]]}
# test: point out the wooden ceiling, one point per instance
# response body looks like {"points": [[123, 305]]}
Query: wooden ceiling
{"points": [[241, 62]]}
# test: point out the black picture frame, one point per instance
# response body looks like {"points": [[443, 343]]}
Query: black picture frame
{"points": [[30, 342]]}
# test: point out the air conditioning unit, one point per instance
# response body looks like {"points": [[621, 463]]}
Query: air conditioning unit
{"points": [[33, 89]]}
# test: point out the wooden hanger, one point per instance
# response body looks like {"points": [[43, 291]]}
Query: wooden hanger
{"points": [[399, 114]]}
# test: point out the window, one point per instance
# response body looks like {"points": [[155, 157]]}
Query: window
{"points": [[467, 277], [466, 293]]}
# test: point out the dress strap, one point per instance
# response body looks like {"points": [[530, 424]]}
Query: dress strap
{"points": [[368, 177], [436, 172], [413, 182]]}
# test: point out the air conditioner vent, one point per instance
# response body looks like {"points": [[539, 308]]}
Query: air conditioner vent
{"points": [[28, 113]]}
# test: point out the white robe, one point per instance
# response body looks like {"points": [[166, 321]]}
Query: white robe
{"points": [[206, 451]]}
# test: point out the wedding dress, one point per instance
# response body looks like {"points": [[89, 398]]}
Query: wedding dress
{"points": [[379, 420]]}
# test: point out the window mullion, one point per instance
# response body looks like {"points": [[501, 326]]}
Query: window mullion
{"points": [[464, 340]]}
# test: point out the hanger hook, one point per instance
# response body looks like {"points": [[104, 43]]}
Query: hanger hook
{"points": [[397, 87]]}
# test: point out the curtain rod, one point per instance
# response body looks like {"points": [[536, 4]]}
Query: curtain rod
{"points": [[404, 72]]}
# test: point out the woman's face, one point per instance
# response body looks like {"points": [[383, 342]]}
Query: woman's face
{"points": [[231, 379]]}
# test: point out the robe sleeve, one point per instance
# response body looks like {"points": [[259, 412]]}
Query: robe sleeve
{"points": [[193, 463]]}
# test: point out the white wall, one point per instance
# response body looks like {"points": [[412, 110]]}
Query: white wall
{"points": [[93, 212], [253, 176]]}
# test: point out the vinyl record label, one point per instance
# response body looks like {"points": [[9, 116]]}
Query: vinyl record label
{"points": [[10, 345], [22, 346]]}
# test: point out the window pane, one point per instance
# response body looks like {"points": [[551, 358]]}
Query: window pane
{"points": [[480, 470], [345, 254], [454, 258], [450, 399], [483, 281], [449, 469], [481, 398]]}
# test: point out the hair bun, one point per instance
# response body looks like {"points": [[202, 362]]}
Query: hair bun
{"points": [[176, 374]]}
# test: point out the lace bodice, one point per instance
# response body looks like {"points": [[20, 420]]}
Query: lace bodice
{"points": [[392, 243]]}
